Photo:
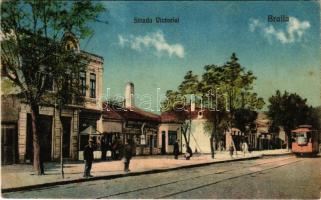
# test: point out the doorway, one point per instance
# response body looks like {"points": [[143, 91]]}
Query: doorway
{"points": [[45, 136], [163, 150], [9, 146], [66, 123]]}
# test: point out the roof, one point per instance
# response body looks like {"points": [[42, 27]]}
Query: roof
{"points": [[100, 58], [139, 114], [170, 117], [300, 130], [303, 128], [128, 114]]}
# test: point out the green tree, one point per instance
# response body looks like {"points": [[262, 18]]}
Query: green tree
{"points": [[176, 102], [230, 87], [289, 111], [226, 90], [34, 53]]}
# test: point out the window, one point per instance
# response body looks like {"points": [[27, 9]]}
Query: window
{"points": [[82, 83], [92, 85], [172, 136], [48, 83], [83, 141]]}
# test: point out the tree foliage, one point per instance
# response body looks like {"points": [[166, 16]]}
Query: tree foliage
{"points": [[34, 54], [288, 110], [225, 90]]}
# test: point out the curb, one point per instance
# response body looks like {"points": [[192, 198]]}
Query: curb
{"points": [[275, 155], [114, 176]]}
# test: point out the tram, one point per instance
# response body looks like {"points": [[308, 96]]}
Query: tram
{"points": [[305, 141]]}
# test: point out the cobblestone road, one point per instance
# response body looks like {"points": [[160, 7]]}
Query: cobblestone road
{"points": [[275, 177]]}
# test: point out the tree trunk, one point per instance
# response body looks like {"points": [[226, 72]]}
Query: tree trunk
{"points": [[212, 146], [212, 138], [185, 138], [36, 140]]}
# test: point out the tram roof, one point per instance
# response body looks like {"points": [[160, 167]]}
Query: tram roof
{"points": [[301, 130]]}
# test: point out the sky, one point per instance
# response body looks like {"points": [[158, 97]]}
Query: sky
{"points": [[282, 55]]}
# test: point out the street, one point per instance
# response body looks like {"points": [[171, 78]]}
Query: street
{"points": [[272, 177]]}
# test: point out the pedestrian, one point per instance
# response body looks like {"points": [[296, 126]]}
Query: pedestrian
{"points": [[189, 152], [245, 148], [176, 149], [88, 157], [103, 148], [231, 149], [127, 155]]}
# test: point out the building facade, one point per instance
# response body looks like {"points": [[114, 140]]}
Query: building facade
{"points": [[169, 131], [129, 122], [75, 118]]}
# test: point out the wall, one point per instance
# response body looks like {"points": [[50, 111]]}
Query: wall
{"points": [[200, 138], [112, 126], [169, 127], [56, 131]]}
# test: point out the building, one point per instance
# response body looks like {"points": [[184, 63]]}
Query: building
{"points": [[168, 132], [198, 133], [9, 136], [236, 137], [75, 118], [121, 123]]}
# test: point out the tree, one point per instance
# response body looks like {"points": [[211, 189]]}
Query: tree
{"points": [[230, 86], [34, 54], [226, 91], [289, 111]]}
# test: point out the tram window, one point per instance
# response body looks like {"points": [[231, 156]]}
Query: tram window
{"points": [[309, 136]]}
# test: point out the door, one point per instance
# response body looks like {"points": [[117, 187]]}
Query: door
{"points": [[45, 137], [163, 150], [66, 123], [45, 133], [9, 144], [151, 141]]}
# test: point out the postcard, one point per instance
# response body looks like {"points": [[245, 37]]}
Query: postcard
{"points": [[160, 99]]}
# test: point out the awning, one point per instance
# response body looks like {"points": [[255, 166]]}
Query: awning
{"points": [[90, 130]]}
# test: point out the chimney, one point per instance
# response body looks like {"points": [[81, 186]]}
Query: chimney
{"points": [[129, 95]]}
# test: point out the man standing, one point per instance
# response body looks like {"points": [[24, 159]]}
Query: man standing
{"points": [[127, 155], [88, 157], [176, 149]]}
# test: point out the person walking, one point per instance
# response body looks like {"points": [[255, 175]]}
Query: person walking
{"points": [[127, 155], [103, 147], [88, 157], [176, 149], [245, 148]]}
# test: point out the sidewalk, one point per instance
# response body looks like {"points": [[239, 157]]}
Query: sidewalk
{"points": [[21, 176]]}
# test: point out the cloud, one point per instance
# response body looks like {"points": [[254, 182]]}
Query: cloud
{"points": [[155, 41], [293, 32]]}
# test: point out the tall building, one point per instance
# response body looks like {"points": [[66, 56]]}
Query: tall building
{"points": [[76, 119]]}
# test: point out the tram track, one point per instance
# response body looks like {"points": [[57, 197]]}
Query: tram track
{"points": [[206, 175], [226, 179]]}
